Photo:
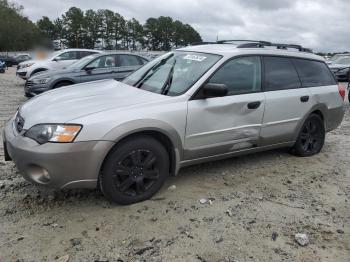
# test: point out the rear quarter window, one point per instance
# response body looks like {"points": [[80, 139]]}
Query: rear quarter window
{"points": [[313, 73]]}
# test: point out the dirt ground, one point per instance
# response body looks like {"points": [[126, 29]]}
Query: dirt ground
{"points": [[259, 202]]}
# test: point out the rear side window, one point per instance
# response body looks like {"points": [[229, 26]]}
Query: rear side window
{"points": [[240, 75], [313, 73], [128, 60], [280, 74], [85, 53]]}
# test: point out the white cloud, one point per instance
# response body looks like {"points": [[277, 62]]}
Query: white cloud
{"points": [[319, 24]]}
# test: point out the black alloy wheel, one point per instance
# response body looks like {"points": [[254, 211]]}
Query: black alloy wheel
{"points": [[135, 170], [311, 137]]}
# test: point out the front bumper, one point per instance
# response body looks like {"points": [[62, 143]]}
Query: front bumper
{"points": [[56, 165], [22, 74], [31, 89]]}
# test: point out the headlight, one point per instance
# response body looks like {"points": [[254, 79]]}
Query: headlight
{"points": [[26, 65], [39, 81], [53, 133]]}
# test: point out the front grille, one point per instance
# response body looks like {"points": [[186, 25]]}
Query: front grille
{"points": [[29, 83], [19, 123]]}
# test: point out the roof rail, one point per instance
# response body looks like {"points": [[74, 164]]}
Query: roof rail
{"points": [[256, 44], [203, 43], [244, 41]]}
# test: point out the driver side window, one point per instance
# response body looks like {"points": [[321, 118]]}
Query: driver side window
{"points": [[71, 55], [103, 62], [241, 75]]}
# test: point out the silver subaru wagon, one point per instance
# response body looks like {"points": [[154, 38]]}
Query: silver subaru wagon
{"points": [[195, 104]]}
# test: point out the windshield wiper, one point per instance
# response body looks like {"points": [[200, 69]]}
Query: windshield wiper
{"points": [[169, 80], [146, 75]]}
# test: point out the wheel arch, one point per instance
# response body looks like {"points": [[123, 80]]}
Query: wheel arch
{"points": [[160, 131], [60, 80], [37, 70], [320, 110]]}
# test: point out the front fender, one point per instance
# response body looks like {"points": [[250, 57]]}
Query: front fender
{"points": [[136, 126]]}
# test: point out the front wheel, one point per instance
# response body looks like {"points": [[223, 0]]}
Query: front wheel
{"points": [[311, 137], [135, 170]]}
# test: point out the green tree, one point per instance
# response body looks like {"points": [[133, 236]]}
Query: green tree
{"points": [[135, 34], [74, 23], [60, 31], [119, 26], [107, 29], [47, 27], [151, 29], [93, 24], [16, 31]]}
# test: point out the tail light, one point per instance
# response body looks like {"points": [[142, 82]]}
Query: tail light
{"points": [[341, 89]]}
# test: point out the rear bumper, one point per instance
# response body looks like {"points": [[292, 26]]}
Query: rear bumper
{"points": [[334, 118], [55, 165]]}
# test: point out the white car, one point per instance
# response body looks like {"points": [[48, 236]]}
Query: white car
{"points": [[58, 60]]}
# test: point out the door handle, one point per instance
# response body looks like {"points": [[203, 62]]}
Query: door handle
{"points": [[254, 105], [304, 99]]}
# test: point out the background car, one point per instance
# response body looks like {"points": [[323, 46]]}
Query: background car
{"points": [[341, 68], [57, 60], [94, 67], [15, 60], [335, 57]]}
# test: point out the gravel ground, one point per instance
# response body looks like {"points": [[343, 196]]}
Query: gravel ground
{"points": [[258, 203]]}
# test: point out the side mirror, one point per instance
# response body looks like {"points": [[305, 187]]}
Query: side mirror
{"points": [[89, 68], [214, 90], [55, 59]]}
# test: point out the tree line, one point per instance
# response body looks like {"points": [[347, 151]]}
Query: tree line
{"points": [[16, 31], [85, 29]]}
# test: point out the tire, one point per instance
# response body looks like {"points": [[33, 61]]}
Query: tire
{"points": [[62, 84], [135, 170], [311, 137]]}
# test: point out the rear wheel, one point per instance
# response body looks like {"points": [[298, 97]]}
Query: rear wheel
{"points": [[135, 170], [311, 137]]}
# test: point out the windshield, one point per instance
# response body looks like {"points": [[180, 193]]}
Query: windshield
{"points": [[82, 62], [345, 60], [173, 73]]}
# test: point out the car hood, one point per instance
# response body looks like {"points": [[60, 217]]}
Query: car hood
{"points": [[51, 73], [69, 103]]}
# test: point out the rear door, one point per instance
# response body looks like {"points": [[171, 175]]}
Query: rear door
{"points": [[222, 125], [127, 64], [287, 102], [103, 67]]}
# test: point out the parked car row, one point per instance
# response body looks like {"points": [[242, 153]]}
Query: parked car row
{"points": [[72, 66], [188, 106], [90, 68]]}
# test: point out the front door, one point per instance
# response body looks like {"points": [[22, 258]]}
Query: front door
{"points": [[103, 67], [226, 124]]}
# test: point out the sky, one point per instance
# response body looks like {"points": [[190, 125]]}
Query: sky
{"points": [[323, 25]]}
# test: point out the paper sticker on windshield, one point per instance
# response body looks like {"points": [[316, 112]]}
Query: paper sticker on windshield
{"points": [[195, 58]]}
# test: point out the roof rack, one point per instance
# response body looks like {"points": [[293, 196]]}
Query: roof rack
{"points": [[257, 44]]}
